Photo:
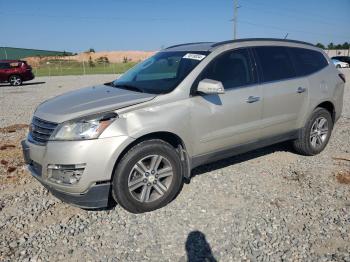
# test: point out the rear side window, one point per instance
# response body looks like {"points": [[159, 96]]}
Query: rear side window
{"points": [[233, 69], [5, 66], [307, 61], [275, 63]]}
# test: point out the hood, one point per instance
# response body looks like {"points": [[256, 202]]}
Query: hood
{"points": [[88, 101]]}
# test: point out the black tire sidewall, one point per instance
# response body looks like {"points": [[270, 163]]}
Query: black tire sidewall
{"points": [[319, 112], [120, 179]]}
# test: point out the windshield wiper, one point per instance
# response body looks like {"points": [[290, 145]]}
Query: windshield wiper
{"points": [[129, 87]]}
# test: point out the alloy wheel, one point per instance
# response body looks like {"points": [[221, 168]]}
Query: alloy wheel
{"points": [[15, 80], [150, 178], [319, 132]]}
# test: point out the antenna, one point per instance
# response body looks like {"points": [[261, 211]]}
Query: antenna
{"points": [[285, 37]]}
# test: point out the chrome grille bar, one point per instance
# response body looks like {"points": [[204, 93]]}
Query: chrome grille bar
{"points": [[40, 131]]}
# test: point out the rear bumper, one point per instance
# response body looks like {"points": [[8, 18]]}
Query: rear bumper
{"points": [[28, 76]]}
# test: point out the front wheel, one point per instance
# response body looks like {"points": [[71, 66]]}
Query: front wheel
{"points": [[314, 137], [15, 80], [148, 177]]}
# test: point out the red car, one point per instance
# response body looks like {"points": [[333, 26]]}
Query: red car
{"points": [[15, 72]]}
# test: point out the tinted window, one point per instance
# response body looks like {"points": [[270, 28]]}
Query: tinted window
{"points": [[232, 68], [307, 61], [5, 66], [275, 63]]}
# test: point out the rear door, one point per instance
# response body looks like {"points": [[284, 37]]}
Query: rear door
{"points": [[285, 95], [233, 118]]}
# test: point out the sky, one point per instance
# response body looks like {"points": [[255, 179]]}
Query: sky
{"points": [[153, 24]]}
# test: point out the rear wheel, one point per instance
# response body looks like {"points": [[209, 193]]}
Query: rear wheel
{"points": [[15, 80], [338, 66], [314, 137], [148, 177]]}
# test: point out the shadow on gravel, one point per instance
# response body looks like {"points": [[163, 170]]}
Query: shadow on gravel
{"points": [[197, 248], [25, 84], [285, 146]]}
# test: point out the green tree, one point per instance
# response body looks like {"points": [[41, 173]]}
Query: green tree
{"points": [[338, 46], [330, 46], [319, 45], [91, 50], [346, 45]]}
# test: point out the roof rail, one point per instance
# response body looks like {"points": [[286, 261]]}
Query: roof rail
{"points": [[195, 43], [259, 39]]}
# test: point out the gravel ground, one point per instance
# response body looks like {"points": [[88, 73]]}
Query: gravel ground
{"points": [[269, 204]]}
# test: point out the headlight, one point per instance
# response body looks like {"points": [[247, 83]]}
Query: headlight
{"points": [[90, 127]]}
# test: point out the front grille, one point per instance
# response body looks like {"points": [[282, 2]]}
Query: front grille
{"points": [[41, 130]]}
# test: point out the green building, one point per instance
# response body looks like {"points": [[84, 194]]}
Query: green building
{"points": [[20, 53]]}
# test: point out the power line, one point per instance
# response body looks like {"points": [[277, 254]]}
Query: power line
{"points": [[298, 15], [284, 29], [307, 13]]}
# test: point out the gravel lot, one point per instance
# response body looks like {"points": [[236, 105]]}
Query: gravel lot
{"points": [[269, 204]]}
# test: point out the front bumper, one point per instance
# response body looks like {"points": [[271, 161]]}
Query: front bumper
{"points": [[94, 188], [98, 196]]}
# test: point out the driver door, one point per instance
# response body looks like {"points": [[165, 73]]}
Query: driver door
{"points": [[222, 121]]}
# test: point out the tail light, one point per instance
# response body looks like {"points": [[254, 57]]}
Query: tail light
{"points": [[342, 76], [26, 66]]}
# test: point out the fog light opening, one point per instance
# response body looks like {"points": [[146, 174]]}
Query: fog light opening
{"points": [[65, 174]]}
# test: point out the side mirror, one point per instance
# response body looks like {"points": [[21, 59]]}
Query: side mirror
{"points": [[210, 87]]}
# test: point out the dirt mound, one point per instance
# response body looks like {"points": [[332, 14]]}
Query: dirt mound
{"points": [[113, 57]]}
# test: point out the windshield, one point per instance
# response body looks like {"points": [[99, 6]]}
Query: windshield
{"points": [[160, 73]]}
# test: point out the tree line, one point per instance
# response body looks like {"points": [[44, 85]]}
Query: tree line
{"points": [[333, 46]]}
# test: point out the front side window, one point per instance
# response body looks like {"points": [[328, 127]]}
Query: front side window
{"points": [[160, 73], [307, 61], [275, 63], [232, 69]]}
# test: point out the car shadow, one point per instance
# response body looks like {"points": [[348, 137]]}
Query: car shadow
{"points": [[281, 147], [198, 248], [24, 84], [285, 146]]}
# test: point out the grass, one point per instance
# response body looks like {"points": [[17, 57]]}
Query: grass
{"points": [[62, 68]]}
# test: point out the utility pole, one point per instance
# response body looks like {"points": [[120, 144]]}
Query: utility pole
{"points": [[5, 53], [235, 7]]}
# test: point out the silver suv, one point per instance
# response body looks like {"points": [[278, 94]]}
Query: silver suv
{"points": [[136, 140]]}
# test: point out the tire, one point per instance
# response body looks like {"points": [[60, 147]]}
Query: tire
{"points": [[338, 66], [314, 137], [15, 80], [136, 188]]}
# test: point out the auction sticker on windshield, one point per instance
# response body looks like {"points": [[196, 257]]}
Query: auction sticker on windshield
{"points": [[194, 56]]}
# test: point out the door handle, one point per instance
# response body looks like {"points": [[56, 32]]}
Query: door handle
{"points": [[252, 99], [301, 89]]}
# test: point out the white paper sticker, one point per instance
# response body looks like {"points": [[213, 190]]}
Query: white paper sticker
{"points": [[194, 56]]}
